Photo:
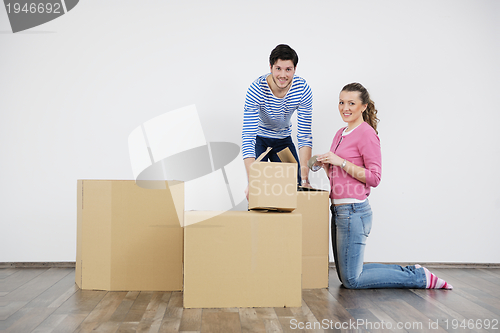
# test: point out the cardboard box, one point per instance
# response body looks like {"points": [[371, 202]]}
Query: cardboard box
{"points": [[273, 185], [129, 237], [314, 205], [242, 259]]}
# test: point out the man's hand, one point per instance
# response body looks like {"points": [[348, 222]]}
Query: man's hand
{"points": [[306, 184]]}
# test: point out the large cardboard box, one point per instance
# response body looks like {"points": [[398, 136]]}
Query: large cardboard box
{"points": [[242, 259], [129, 237], [273, 185], [314, 205]]}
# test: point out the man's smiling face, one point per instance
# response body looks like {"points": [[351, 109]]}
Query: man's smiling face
{"points": [[282, 73]]}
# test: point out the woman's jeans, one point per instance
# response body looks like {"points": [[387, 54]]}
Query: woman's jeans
{"points": [[262, 143], [351, 225]]}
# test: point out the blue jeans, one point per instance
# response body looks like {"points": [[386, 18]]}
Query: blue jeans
{"points": [[262, 143], [351, 225]]}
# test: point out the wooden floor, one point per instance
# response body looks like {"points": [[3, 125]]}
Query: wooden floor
{"points": [[47, 300]]}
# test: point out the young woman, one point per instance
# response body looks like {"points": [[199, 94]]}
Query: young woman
{"points": [[353, 165]]}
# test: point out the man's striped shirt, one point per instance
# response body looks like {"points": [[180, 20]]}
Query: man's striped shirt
{"points": [[268, 116]]}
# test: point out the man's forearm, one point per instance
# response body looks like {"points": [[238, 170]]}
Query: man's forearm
{"points": [[304, 156], [248, 161]]}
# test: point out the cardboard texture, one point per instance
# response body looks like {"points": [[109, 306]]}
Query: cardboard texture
{"points": [[128, 237], [273, 185], [243, 259], [314, 205]]}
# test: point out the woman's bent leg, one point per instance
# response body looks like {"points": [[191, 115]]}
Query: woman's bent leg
{"points": [[391, 276], [350, 243], [353, 225]]}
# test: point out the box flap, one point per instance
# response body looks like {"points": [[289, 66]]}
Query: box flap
{"points": [[286, 156], [263, 154], [177, 192]]}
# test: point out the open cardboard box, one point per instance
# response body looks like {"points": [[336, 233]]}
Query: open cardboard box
{"points": [[273, 185]]}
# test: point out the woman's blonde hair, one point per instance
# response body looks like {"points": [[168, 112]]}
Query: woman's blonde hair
{"points": [[370, 114]]}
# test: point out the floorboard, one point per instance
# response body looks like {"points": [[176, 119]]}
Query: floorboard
{"points": [[220, 321], [304, 314], [49, 324], [474, 290], [18, 278], [6, 272], [122, 311], [58, 292], [81, 302], [250, 321], [36, 285], [474, 278], [151, 311], [173, 314], [191, 320], [270, 319], [103, 311], [46, 300], [69, 322], [28, 319], [325, 307], [490, 276], [21, 297]]}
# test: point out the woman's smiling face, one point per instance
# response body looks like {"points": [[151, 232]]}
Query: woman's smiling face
{"points": [[351, 108]]}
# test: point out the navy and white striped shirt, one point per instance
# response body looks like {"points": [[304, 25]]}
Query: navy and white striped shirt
{"points": [[268, 116]]}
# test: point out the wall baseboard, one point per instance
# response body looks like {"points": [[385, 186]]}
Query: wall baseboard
{"points": [[61, 264], [441, 264], [72, 264]]}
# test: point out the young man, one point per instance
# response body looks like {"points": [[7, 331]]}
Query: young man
{"points": [[270, 102]]}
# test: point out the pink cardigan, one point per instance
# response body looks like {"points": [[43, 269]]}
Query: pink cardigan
{"points": [[362, 148]]}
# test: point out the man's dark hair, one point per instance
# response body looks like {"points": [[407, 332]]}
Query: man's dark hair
{"points": [[283, 52]]}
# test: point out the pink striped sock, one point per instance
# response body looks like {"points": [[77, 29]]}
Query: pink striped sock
{"points": [[433, 282]]}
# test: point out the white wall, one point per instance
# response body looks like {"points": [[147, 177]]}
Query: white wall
{"points": [[73, 89]]}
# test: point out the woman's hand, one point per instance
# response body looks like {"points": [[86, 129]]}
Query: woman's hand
{"points": [[330, 158], [352, 169]]}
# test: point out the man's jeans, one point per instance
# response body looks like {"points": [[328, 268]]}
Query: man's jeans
{"points": [[262, 143]]}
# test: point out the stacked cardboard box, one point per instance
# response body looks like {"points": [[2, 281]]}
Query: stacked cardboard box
{"points": [[313, 205], [129, 237], [242, 259]]}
